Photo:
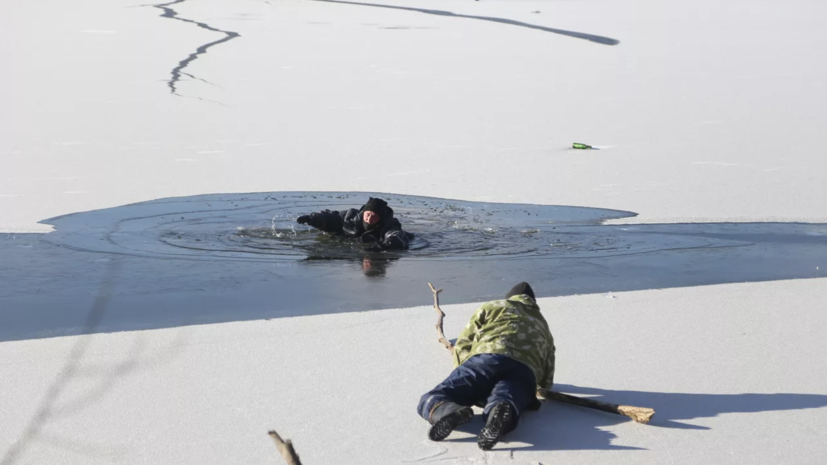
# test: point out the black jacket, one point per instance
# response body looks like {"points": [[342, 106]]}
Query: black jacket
{"points": [[387, 234]]}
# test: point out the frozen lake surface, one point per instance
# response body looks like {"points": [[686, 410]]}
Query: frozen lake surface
{"points": [[194, 316]]}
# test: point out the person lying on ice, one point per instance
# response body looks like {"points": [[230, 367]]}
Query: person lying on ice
{"points": [[501, 356], [373, 223]]}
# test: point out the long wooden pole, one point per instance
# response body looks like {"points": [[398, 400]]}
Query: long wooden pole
{"points": [[639, 414]]}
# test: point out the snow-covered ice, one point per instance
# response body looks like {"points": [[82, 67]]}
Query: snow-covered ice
{"points": [[705, 112]]}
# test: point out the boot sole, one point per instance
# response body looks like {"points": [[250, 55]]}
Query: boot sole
{"points": [[441, 429], [493, 431]]}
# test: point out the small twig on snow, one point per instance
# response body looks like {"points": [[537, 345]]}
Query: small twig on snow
{"points": [[285, 449]]}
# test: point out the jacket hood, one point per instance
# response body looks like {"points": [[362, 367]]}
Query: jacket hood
{"points": [[520, 289], [385, 214], [375, 205]]}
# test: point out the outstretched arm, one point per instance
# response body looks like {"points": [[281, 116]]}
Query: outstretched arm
{"points": [[326, 220]]}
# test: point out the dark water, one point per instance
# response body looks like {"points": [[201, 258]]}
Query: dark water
{"points": [[215, 258], [262, 227]]}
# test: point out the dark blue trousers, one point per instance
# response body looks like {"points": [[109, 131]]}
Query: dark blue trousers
{"points": [[484, 380]]}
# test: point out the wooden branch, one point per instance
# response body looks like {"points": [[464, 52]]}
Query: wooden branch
{"points": [[639, 414], [442, 339], [285, 449]]}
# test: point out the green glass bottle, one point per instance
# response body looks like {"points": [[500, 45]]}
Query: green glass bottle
{"points": [[578, 145]]}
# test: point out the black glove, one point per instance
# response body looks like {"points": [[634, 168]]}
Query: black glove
{"points": [[314, 220]]}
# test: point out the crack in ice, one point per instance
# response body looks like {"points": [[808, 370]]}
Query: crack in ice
{"points": [[511, 22], [178, 71]]}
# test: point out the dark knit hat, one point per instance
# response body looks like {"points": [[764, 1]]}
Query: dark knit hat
{"points": [[519, 289], [375, 206]]}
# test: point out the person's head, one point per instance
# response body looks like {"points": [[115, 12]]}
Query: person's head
{"points": [[520, 289], [373, 210]]}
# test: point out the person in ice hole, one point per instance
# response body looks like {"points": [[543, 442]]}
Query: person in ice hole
{"points": [[504, 353], [372, 224]]}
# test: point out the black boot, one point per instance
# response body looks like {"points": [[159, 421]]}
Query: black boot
{"points": [[447, 416], [501, 419]]}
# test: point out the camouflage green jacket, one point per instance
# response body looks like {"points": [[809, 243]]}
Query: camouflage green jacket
{"points": [[515, 328]]}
